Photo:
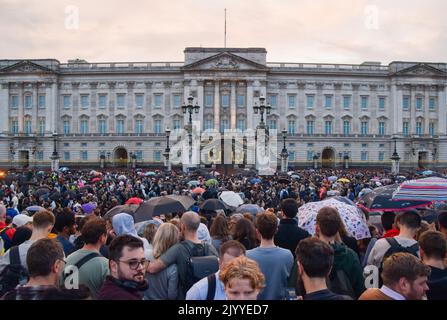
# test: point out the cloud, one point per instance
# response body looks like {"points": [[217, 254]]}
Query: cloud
{"points": [[323, 31]]}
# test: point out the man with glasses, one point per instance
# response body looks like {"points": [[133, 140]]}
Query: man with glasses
{"points": [[127, 270]]}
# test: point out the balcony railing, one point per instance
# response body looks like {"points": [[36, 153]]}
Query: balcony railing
{"points": [[119, 66], [327, 66]]}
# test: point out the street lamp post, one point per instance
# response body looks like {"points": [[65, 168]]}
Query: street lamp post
{"points": [[261, 108], [11, 153], [346, 159], [284, 152], [108, 156], [190, 108], [134, 161], [167, 150], [395, 158], [102, 160], [55, 156], [315, 157]]}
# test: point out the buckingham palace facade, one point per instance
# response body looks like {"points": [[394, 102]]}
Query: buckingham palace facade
{"points": [[336, 115]]}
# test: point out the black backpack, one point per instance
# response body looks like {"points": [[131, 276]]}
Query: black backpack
{"points": [[13, 274], [199, 265], [340, 283], [396, 247]]}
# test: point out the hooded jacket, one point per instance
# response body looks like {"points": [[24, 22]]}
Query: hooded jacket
{"points": [[123, 223], [347, 260]]}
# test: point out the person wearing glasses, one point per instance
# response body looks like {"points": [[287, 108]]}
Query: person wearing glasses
{"points": [[45, 260], [127, 270]]}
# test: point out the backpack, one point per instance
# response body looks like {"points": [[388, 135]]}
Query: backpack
{"points": [[199, 265], [339, 283], [396, 247], [81, 262], [13, 274], [211, 287]]}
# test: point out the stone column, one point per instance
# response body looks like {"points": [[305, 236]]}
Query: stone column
{"points": [[338, 109], [35, 108], [442, 109], [396, 112], [356, 127], [21, 106], [53, 108], [216, 106], [186, 93], [233, 105], [250, 102], [426, 123], [130, 107], [4, 105], [201, 102], [147, 108], [112, 106], [75, 107], [93, 105], [413, 110]]}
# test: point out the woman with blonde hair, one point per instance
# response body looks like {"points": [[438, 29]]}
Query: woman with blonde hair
{"points": [[242, 279], [164, 285]]}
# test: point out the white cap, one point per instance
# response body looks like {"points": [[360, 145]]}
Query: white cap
{"points": [[21, 219]]}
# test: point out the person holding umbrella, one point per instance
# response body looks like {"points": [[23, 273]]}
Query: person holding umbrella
{"points": [[347, 271]]}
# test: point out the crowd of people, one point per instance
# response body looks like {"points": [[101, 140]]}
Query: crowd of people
{"points": [[59, 242]]}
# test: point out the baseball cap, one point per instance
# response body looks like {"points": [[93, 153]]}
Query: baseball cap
{"points": [[21, 219]]}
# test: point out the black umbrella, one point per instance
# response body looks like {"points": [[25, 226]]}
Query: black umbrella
{"points": [[40, 192], [157, 206], [213, 205], [55, 195], [88, 188], [283, 180], [186, 201], [120, 209], [380, 199], [71, 194]]}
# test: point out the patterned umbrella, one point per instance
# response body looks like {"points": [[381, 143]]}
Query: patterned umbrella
{"points": [[354, 220], [426, 189], [380, 199], [344, 200]]}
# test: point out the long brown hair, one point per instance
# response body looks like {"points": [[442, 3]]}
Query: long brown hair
{"points": [[219, 229], [244, 228]]}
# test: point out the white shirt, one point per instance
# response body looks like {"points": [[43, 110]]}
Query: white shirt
{"points": [[391, 293]]}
